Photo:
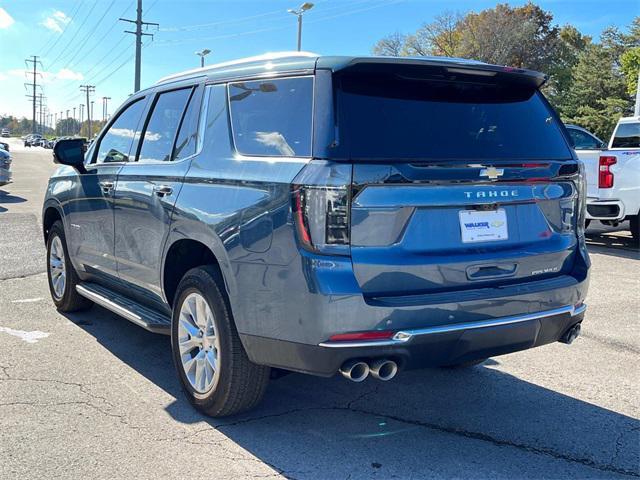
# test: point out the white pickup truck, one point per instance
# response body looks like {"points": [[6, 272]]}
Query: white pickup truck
{"points": [[613, 173]]}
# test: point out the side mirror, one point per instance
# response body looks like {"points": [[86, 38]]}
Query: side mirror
{"points": [[70, 152]]}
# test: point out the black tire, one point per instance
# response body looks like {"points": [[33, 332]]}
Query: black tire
{"points": [[469, 364], [70, 300], [241, 384], [635, 228]]}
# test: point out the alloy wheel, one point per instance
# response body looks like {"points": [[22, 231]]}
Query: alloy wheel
{"points": [[57, 268], [199, 343]]}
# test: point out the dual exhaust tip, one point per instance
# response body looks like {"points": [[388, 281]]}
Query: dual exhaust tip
{"points": [[380, 369]]}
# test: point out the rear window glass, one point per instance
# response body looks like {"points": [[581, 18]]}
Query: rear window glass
{"points": [[272, 117], [392, 117], [627, 136]]}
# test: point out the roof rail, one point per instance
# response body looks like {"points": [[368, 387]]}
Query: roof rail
{"points": [[256, 58]]}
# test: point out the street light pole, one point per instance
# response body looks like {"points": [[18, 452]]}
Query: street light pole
{"points": [[303, 8], [202, 54]]}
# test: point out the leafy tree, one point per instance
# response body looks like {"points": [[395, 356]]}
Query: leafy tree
{"points": [[630, 65], [519, 37], [598, 95]]}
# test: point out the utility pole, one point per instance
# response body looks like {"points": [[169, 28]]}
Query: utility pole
{"points": [[139, 34], [34, 60], [88, 89], [636, 111], [40, 112], [91, 131], [67, 122], [105, 111]]}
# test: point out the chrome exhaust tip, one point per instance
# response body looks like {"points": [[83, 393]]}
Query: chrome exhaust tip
{"points": [[383, 369], [355, 370], [571, 334]]}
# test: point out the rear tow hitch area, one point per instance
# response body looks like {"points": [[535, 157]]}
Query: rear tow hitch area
{"points": [[571, 334]]}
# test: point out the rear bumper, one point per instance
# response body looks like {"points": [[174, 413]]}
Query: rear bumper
{"points": [[427, 347], [605, 209]]}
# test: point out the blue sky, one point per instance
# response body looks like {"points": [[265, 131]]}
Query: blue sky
{"points": [[81, 41]]}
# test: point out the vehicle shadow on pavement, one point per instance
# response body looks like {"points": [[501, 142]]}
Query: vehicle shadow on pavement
{"points": [[6, 197], [435, 421], [613, 244]]}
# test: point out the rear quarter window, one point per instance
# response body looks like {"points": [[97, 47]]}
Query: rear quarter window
{"points": [[272, 117], [627, 135]]}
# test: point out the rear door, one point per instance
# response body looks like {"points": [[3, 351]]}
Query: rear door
{"points": [[147, 189], [459, 182]]}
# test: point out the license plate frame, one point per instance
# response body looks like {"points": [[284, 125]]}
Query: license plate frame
{"points": [[483, 225]]}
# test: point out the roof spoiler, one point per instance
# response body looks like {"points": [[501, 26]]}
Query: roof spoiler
{"points": [[416, 66]]}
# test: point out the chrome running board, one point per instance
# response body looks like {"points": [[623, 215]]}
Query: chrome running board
{"points": [[142, 316]]}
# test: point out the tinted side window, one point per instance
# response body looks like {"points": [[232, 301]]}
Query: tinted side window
{"points": [[582, 140], [116, 142], [272, 117], [627, 136], [187, 139], [157, 142]]}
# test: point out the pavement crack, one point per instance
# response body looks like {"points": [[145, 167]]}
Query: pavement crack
{"points": [[506, 443], [609, 467]]}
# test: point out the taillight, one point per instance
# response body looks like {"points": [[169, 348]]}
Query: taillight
{"points": [[320, 207], [581, 200], [605, 175]]}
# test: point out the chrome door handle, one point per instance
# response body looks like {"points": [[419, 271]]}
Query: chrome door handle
{"points": [[106, 186], [162, 190]]}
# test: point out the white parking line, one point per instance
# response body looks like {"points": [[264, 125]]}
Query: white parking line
{"points": [[29, 337], [27, 300]]}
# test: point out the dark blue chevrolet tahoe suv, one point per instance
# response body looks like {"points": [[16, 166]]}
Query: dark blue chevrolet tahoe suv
{"points": [[325, 214]]}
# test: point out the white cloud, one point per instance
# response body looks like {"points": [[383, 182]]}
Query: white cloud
{"points": [[52, 25], [56, 21], [3, 76], [5, 19], [66, 74]]}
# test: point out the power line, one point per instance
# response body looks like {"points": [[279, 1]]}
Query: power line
{"points": [[82, 42], [64, 50], [183, 41], [66, 27]]}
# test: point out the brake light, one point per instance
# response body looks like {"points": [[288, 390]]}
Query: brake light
{"points": [[605, 175], [320, 207]]}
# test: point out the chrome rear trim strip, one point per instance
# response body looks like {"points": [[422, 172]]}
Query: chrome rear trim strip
{"points": [[404, 336]]}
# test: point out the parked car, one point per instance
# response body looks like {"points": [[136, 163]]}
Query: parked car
{"points": [[325, 214], [5, 167], [6, 132], [49, 143], [32, 140], [4, 146], [613, 176]]}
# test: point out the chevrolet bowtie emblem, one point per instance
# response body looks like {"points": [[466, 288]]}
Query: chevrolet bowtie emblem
{"points": [[492, 172]]}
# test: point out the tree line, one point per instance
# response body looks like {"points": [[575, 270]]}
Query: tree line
{"points": [[591, 83]]}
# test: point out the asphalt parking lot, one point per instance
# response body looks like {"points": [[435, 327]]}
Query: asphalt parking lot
{"points": [[92, 395]]}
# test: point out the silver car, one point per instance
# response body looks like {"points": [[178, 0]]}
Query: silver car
{"points": [[5, 167]]}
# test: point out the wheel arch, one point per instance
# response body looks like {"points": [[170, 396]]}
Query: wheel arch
{"points": [[184, 253], [50, 214]]}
